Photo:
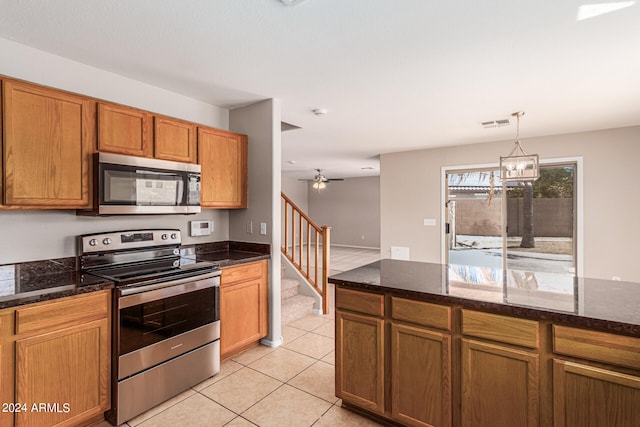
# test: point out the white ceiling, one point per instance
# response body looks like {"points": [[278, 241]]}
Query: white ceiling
{"points": [[393, 75]]}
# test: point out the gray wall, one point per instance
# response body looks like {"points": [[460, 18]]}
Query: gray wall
{"points": [[261, 123], [297, 191], [411, 191], [352, 209], [35, 235]]}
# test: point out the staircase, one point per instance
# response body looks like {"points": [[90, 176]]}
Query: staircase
{"points": [[293, 306], [306, 246]]}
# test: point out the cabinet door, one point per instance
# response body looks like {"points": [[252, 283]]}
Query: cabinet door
{"points": [[420, 376], [7, 360], [48, 141], [241, 322], [65, 374], [174, 140], [223, 158], [124, 130], [584, 396], [499, 386], [360, 360]]}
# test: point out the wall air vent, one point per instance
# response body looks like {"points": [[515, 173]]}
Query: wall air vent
{"points": [[284, 126]]}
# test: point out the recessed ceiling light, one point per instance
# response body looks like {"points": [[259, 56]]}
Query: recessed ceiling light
{"points": [[587, 11], [367, 168], [319, 111], [291, 162]]}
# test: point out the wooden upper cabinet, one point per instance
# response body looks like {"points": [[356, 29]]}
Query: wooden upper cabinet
{"points": [[48, 140], [124, 130], [174, 140], [223, 158]]}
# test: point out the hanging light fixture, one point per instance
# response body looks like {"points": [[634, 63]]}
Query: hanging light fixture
{"points": [[519, 165]]}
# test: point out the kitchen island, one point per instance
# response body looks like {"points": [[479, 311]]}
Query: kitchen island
{"points": [[439, 345]]}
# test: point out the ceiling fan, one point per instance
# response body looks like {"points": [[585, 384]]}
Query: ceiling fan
{"points": [[320, 181]]}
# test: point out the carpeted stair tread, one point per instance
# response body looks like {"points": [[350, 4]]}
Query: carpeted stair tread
{"points": [[296, 307], [288, 288]]}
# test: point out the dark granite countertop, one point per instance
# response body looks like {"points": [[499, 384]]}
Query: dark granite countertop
{"points": [[226, 253], [37, 281], [611, 306], [30, 282]]}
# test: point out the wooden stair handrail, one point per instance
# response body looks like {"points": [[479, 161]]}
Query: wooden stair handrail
{"points": [[318, 233]]}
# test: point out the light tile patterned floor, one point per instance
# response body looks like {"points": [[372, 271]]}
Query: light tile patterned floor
{"points": [[292, 385]]}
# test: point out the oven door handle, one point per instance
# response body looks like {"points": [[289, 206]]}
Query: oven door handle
{"points": [[152, 292]]}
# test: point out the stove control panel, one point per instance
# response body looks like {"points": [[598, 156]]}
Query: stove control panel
{"points": [[119, 240]]}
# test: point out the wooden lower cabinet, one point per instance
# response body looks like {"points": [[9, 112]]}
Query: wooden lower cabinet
{"points": [[499, 386], [65, 372], [59, 375], [586, 396], [243, 306], [360, 350], [420, 376], [424, 364]]}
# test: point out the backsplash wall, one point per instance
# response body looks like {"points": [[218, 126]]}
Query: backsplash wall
{"points": [[36, 235]]}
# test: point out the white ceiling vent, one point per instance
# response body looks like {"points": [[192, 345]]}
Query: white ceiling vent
{"points": [[496, 123], [291, 2]]}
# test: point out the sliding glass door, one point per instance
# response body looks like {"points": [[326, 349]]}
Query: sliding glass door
{"points": [[512, 236]]}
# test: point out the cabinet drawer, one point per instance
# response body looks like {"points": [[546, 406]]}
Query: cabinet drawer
{"points": [[421, 313], [597, 346], [363, 302], [57, 314], [509, 330], [241, 273]]}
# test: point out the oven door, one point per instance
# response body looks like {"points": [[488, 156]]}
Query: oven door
{"points": [[129, 185], [162, 321]]}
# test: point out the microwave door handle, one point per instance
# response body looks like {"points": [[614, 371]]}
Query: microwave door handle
{"points": [[155, 172]]}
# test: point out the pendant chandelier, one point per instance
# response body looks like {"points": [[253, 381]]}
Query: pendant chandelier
{"points": [[519, 165]]}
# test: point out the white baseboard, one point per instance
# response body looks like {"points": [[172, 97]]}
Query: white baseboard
{"points": [[355, 247], [272, 344]]}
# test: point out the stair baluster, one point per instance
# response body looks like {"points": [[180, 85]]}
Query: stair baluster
{"points": [[316, 237]]}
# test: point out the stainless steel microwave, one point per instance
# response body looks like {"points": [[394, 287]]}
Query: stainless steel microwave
{"points": [[136, 185]]}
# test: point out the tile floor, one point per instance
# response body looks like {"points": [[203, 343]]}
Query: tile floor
{"points": [[292, 385]]}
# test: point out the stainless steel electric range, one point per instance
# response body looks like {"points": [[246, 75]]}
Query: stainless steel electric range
{"points": [[166, 316]]}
